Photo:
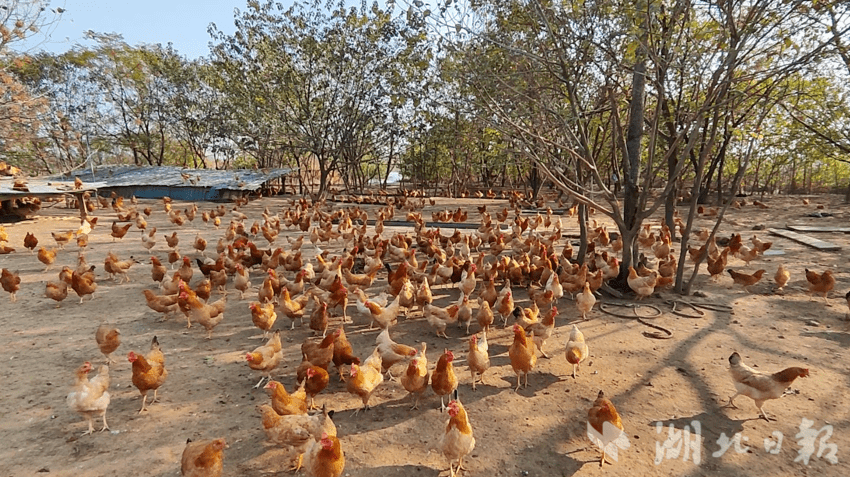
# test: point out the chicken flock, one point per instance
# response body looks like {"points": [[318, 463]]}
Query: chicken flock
{"points": [[383, 279]]}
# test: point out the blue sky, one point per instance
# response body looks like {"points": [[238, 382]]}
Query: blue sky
{"points": [[181, 22]]}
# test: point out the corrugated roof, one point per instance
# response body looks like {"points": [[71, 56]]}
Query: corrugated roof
{"points": [[165, 176], [40, 187]]}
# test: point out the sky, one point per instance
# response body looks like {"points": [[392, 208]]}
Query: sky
{"points": [[182, 22]]}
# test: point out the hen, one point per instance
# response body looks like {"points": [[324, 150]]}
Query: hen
{"points": [[760, 386], [11, 282], [478, 358], [108, 340], [439, 318], [148, 371], [443, 379], [457, 441], [315, 380], [543, 329], [284, 403], [203, 458], [416, 377], [263, 316], [363, 380], [385, 316], [391, 352], [208, 316], [522, 355], [84, 283], [57, 291], [164, 304], [320, 353], [324, 458], [604, 425], [266, 358], [47, 257], [343, 353], [744, 279], [90, 397], [577, 350], [293, 309], [781, 277], [642, 286], [820, 283], [295, 432]]}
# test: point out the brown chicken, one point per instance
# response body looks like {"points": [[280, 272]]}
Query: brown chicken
{"points": [[522, 355], [11, 282], [781, 277], [319, 318], [118, 232], [47, 257], [585, 301], [362, 380], [439, 318], [717, 265], [295, 432], [604, 425], [203, 458], [820, 283], [443, 378], [577, 350], [266, 358], [505, 306], [242, 282], [56, 291], [760, 386], [263, 316], [320, 353], [484, 317], [158, 270], [208, 316], [62, 238], [343, 353], [108, 340], [90, 397], [30, 242], [164, 304], [746, 280], [324, 458], [457, 441], [186, 271], [543, 329], [478, 358], [287, 404], [148, 372], [172, 240], [114, 266], [392, 352], [84, 284], [416, 378], [315, 380], [293, 309], [642, 286]]}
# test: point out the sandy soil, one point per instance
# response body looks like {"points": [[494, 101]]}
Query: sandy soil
{"points": [[539, 431]]}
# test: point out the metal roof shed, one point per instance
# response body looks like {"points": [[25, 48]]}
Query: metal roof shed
{"points": [[178, 183]]}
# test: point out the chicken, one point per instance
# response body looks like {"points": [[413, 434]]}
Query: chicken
{"points": [[384, 316], [293, 309], [11, 282], [320, 353], [324, 458], [642, 286], [90, 397], [604, 425], [57, 291], [158, 270], [522, 355], [30, 242], [505, 306], [718, 264], [554, 285], [84, 284], [362, 380], [543, 329], [200, 244], [204, 289], [464, 312], [108, 340], [760, 386], [174, 257], [186, 270], [62, 238], [319, 318], [416, 378], [295, 432], [576, 350], [263, 316], [457, 441], [148, 371], [439, 318], [746, 280], [585, 301], [820, 283], [266, 358], [208, 316], [114, 266], [287, 404], [47, 257], [242, 282], [315, 380], [467, 281], [118, 232], [164, 304], [781, 277], [478, 358], [343, 354], [172, 240], [203, 458], [391, 352], [484, 317], [443, 379]]}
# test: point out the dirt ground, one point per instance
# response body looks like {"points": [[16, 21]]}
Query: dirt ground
{"points": [[539, 431]]}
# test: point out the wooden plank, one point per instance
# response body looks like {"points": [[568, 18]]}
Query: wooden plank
{"points": [[805, 239], [811, 228]]}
